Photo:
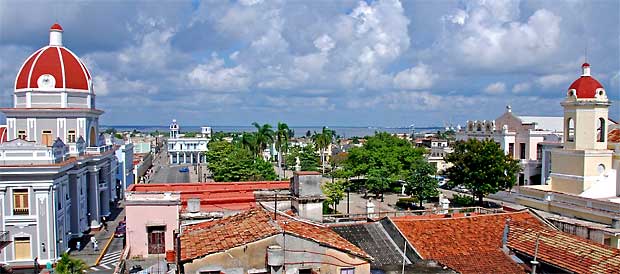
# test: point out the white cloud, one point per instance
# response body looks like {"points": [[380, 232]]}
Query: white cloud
{"points": [[495, 88], [418, 77], [100, 85], [521, 87], [489, 34], [324, 43], [555, 80], [215, 76]]}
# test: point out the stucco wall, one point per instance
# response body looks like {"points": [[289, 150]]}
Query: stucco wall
{"points": [[139, 217]]}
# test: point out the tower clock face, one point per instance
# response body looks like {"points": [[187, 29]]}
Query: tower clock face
{"points": [[46, 81]]}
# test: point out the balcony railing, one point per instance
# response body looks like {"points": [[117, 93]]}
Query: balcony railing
{"points": [[20, 211], [98, 150], [4, 239]]}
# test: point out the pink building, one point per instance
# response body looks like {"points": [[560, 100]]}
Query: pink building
{"points": [[156, 211]]}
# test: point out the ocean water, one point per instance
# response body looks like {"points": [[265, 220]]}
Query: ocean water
{"points": [[343, 131]]}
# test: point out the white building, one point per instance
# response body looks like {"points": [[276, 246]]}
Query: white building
{"points": [[521, 137], [56, 172], [187, 150]]}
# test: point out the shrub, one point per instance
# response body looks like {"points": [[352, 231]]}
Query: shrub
{"points": [[459, 200], [407, 203]]}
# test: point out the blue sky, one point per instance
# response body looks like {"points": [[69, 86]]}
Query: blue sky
{"points": [[322, 62]]}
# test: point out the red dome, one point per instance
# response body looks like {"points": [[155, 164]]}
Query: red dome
{"points": [[56, 26], [67, 69], [585, 87]]}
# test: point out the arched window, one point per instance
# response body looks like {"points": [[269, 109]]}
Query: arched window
{"points": [[570, 127], [600, 130]]}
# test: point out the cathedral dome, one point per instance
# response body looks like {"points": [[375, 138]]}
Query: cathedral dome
{"points": [[53, 68], [586, 87]]}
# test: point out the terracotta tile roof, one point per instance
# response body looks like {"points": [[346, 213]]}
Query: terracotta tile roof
{"points": [[320, 234], [613, 136], [210, 237], [563, 250], [464, 244], [253, 225]]}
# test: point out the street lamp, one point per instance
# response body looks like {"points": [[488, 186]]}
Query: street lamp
{"points": [[348, 192]]}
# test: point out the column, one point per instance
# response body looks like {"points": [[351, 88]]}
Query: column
{"points": [[184, 158], [191, 156], [177, 157], [170, 158], [93, 199], [105, 198]]}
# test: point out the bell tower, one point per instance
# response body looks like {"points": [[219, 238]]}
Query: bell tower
{"points": [[584, 159], [174, 129]]}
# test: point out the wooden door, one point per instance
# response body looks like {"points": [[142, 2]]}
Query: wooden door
{"points": [[156, 240]]}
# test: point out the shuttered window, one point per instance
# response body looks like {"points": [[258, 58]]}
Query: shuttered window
{"points": [[71, 136], [46, 138], [22, 248], [20, 202]]}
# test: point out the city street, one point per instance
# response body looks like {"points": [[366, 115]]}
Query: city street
{"points": [[110, 259], [170, 174]]}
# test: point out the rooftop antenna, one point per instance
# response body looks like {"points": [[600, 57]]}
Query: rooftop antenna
{"points": [[586, 52], [535, 262]]}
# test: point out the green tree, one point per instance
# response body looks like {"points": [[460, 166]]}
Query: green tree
{"points": [[68, 265], [249, 142], [308, 160], [383, 160], [264, 137], [482, 167], [422, 183], [334, 192], [290, 159], [282, 137], [232, 163], [190, 134]]}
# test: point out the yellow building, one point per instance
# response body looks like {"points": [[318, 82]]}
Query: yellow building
{"points": [[583, 166]]}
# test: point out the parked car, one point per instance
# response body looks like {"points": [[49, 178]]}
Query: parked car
{"points": [[120, 231], [184, 169], [135, 269]]}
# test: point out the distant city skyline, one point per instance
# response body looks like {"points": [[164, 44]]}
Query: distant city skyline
{"points": [[384, 63]]}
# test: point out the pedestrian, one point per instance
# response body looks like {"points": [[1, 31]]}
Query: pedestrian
{"points": [[78, 245], [95, 244], [105, 223]]}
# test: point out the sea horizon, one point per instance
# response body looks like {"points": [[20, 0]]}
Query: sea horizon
{"points": [[344, 131]]}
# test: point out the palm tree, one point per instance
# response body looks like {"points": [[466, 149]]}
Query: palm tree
{"points": [[264, 136], [248, 141], [282, 137], [322, 140]]}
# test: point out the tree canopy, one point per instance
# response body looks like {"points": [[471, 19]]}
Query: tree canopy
{"points": [[383, 159], [334, 192], [68, 265], [421, 183], [232, 163], [482, 167], [308, 158]]}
